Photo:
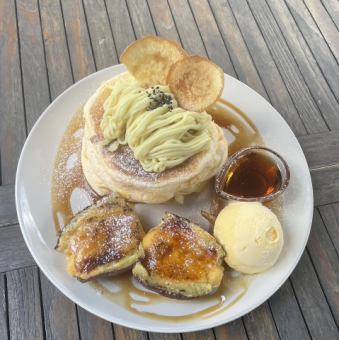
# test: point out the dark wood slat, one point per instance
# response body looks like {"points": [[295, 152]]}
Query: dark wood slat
{"points": [[59, 313], [207, 334], [7, 206], [91, 327], [288, 68], [164, 336], [163, 20], [125, 333], [330, 215], [316, 42], [232, 331], [3, 308], [326, 262], [236, 47], [187, 28], [266, 67], [78, 39], [13, 251], [121, 24], [34, 72], [260, 324], [308, 66], [325, 25], [287, 315], [141, 18], [60, 73], [312, 301], [24, 308], [211, 36], [325, 185], [332, 10], [100, 33], [12, 126], [321, 149]]}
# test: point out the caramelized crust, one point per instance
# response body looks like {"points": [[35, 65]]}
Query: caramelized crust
{"points": [[102, 239]]}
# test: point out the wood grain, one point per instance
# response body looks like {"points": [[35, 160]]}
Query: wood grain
{"points": [[207, 334], [260, 324], [100, 33], [326, 263], [125, 333], [7, 206], [164, 336], [78, 39], [3, 308], [266, 67], [211, 36], [24, 309], [34, 73], [288, 68], [307, 64], [325, 25], [231, 331], [13, 251], [91, 327], [330, 216], [316, 42], [312, 301], [332, 10], [12, 116], [59, 313]]}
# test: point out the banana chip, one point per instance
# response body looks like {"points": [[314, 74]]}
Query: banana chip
{"points": [[196, 82], [150, 58]]}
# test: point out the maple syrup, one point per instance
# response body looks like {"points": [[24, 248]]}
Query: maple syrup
{"points": [[253, 175]]}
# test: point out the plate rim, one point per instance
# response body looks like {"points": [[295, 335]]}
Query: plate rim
{"points": [[179, 327]]}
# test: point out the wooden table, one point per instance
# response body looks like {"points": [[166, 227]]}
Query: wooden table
{"points": [[287, 51]]}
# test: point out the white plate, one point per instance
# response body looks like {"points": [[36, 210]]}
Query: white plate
{"points": [[33, 203]]}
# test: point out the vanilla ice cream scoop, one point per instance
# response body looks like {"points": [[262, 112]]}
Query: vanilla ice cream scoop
{"points": [[251, 235]]}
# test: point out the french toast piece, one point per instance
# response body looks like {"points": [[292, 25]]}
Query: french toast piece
{"points": [[101, 240], [180, 260]]}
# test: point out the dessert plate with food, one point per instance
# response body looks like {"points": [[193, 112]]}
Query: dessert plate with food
{"points": [[163, 194]]}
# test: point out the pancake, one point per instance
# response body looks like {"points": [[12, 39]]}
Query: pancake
{"points": [[120, 172], [180, 260], [101, 240]]}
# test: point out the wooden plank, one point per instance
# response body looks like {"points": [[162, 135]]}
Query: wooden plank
{"points": [[206, 334], [60, 73], [287, 315], [316, 42], [231, 331], [7, 206], [330, 215], [312, 301], [332, 10], [260, 324], [141, 18], [236, 47], [266, 67], [288, 68], [13, 247], [121, 333], [121, 24], [100, 33], [3, 308], [321, 149], [326, 264], [24, 308], [12, 127], [164, 336], [187, 28], [163, 20], [325, 25], [91, 327], [78, 39], [211, 37], [307, 64], [34, 73], [325, 185], [59, 313]]}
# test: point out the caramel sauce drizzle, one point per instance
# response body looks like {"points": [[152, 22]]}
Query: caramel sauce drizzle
{"points": [[68, 177]]}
